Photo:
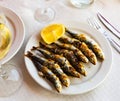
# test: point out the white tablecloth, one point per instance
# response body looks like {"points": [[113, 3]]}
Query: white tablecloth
{"points": [[109, 90]]}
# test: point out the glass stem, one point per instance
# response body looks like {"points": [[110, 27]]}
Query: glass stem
{"points": [[3, 73]]}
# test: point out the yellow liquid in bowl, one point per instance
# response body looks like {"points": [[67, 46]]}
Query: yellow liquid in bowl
{"points": [[5, 40]]}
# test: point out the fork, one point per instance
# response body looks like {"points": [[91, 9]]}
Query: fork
{"points": [[94, 23]]}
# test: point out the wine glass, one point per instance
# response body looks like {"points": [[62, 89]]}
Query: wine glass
{"points": [[81, 3], [45, 14], [10, 75]]}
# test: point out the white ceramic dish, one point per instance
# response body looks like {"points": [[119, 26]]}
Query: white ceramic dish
{"points": [[17, 28], [96, 73]]}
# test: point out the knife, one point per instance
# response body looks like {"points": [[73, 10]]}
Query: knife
{"points": [[109, 26]]}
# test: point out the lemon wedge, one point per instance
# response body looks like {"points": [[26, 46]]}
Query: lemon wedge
{"points": [[52, 33], [5, 40]]}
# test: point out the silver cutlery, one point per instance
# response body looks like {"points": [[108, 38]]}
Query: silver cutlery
{"points": [[94, 23], [108, 25]]}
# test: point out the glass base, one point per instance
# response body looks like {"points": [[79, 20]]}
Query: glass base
{"points": [[44, 15], [81, 3], [10, 80]]}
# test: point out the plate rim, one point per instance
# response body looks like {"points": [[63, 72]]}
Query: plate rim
{"points": [[23, 30], [98, 83]]}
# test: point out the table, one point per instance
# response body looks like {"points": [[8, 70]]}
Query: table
{"points": [[109, 90]]}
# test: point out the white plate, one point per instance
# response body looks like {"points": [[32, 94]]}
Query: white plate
{"points": [[96, 73], [18, 32]]}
